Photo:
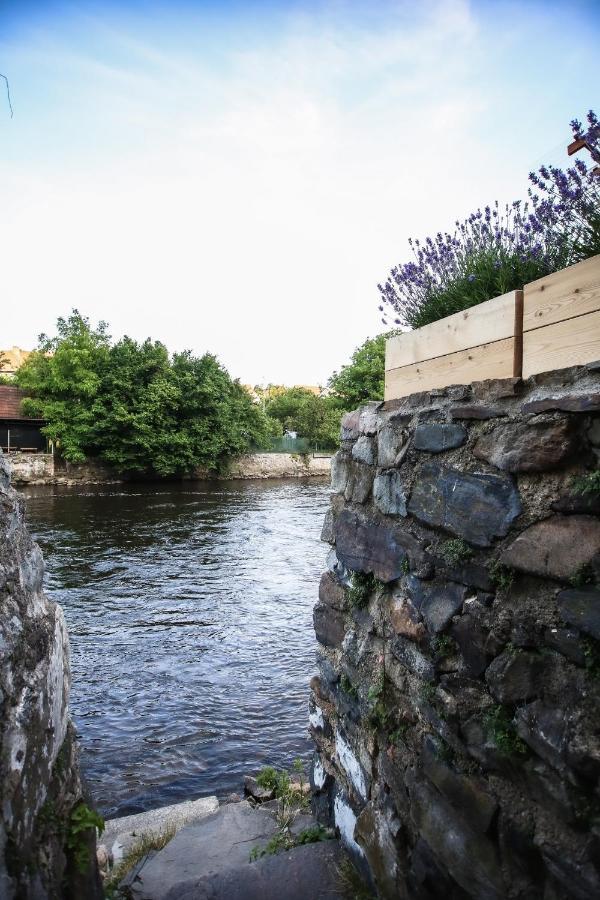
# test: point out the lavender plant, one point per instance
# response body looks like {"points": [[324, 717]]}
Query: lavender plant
{"points": [[498, 249]]}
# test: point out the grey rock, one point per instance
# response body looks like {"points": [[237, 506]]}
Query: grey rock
{"points": [[468, 794], [365, 546], [478, 508], [437, 603], [360, 482], [413, 659], [405, 618], [470, 857], [327, 533], [389, 493], [338, 569], [329, 625], [363, 451], [477, 411], [471, 636], [581, 608], [392, 441], [436, 438], [527, 447], [496, 388], [331, 592], [339, 471], [546, 730], [555, 548], [566, 641], [578, 878], [219, 843], [567, 403], [350, 426], [516, 675]]}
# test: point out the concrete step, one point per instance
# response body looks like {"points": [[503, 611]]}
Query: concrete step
{"points": [[309, 872], [120, 835], [211, 859], [222, 840]]}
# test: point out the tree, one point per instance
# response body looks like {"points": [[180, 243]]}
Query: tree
{"points": [[312, 416], [133, 406], [63, 377], [363, 378]]}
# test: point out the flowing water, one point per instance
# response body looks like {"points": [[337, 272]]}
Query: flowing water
{"points": [[189, 610]]}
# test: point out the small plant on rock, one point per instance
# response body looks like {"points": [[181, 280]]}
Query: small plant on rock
{"points": [[587, 484], [347, 686], [81, 821], [500, 727], [501, 576], [455, 551], [363, 585], [443, 645]]}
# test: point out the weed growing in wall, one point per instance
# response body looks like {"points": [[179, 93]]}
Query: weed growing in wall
{"points": [[587, 484], [501, 729], [363, 585], [455, 551]]}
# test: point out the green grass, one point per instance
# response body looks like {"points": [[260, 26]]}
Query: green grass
{"points": [[363, 585], [148, 842], [500, 727], [455, 551], [587, 484]]}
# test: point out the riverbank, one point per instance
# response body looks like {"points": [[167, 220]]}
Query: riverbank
{"points": [[44, 468]]}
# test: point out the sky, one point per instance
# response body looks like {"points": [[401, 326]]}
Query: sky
{"points": [[237, 177]]}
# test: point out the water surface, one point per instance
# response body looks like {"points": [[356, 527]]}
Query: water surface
{"points": [[190, 617]]}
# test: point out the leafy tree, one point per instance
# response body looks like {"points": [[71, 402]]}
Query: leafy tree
{"points": [[63, 377], [134, 407], [313, 416], [363, 378]]}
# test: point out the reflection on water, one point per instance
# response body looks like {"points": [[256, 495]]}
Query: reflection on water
{"points": [[190, 616]]}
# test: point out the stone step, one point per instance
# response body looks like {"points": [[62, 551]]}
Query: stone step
{"points": [[309, 872], [120, 835], [211, 859]]}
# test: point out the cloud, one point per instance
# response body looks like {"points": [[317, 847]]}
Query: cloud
{"points": [[241, 187]]}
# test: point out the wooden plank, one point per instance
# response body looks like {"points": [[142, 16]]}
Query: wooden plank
{"points": [[569, 343], [518, 342], [495, 360], [574, 291], [489, 321]]}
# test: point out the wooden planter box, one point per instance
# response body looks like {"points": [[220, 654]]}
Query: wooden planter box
{"points": [[561, 319], [473, 345], [552, 323]]}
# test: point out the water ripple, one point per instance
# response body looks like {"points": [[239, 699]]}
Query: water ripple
{"points": [[190, 617]]}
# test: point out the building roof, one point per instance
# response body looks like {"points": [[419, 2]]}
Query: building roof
{"points": [[10, 403], [13, 359]]}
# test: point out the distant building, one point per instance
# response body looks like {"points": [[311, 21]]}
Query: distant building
{"points": [[18, 431], [13, 359]]}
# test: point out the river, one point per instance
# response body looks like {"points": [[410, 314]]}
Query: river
{"points": [[189, 609]]}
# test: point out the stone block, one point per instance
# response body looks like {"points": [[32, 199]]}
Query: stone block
{"points": [[469, 794], [477, 411], [339, 472], [331, 591], [469, 857], [412, 659], [546, 730], [389, 494], [478, 508], [576, 403], [435, 438], [327, 533], [437, 603], [527, 447], [364, 451], [405, 618], [359, 482], [471, 637], [392, 441], [329, 625], [555, 548], [566, 641], [516, 675], [375, 831], [366, 546], [350, 427], [581, 608]]}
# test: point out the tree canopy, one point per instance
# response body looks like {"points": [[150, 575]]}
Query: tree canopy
{"points": [[363, 378], [135, 407], [314, 417]]}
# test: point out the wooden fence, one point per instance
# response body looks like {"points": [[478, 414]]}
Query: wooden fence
{"points": [[552, 323]]}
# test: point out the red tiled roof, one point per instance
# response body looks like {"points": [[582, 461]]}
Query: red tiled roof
{"points": [[10, 403]]}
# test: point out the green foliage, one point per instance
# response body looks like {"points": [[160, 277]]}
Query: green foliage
{"points": [[279, 841], [133, 406], [587, 484], [363, 378], [347, 686], [81, 821], [583, 576], [316, 418], [312, 835], [363, 585], [500, 727], [405, 566], [443, 645], [399, 733], [501, 576], [455, 551]]}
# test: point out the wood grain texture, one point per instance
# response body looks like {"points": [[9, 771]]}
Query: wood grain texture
{"points": [[574, 291], [518, 344], [494, 360], [572, 342], [490, 321]]}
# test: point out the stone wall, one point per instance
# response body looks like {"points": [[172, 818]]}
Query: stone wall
{"points": [[43, 468], [456, 710], [42, 854]]}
